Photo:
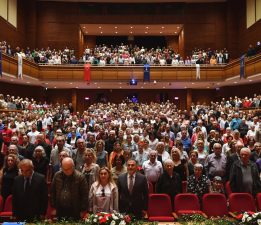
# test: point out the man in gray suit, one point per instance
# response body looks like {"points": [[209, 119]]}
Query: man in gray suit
{"points": [[133, 191]]}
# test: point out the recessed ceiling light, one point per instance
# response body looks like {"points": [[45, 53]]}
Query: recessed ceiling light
{"points": [[141, 87], [146, 32], [175, 32], [54, 87], [162, 27], [99, 27], [28, 82], [147, 27], [116, 32], [235, 82], [76, 87], [131, 27], [120, 83], [70, 83], [131, 32], [207, 87], [120, 87], [99, 87], [160, 32], [101, 32], [192, 83], [83, 27], [185, 87], [95, 83], [115, 27], [178, 27], [163, 87], [250, 80], [46, 83]]}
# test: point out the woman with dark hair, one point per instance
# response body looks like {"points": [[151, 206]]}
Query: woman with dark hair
{"points": [[9, 172], [117, 150], [118, 167], [103, 195]]}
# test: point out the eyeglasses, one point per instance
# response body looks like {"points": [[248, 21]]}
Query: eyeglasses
{"points": [[103, 192]]}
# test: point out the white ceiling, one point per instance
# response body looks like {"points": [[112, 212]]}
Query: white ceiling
{"points": [[234, 81]]}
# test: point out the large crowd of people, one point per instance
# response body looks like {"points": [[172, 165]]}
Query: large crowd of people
{"points": [[111, 155], [102, 55]]}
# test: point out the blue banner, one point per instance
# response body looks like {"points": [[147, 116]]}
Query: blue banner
{"points": [[146, 76], [1, 74], [242, 66]]}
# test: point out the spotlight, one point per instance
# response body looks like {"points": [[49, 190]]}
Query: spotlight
{"points": [[133, 81]]}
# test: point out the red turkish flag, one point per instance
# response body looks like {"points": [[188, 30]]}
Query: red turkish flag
{"points": [[87, 72]]}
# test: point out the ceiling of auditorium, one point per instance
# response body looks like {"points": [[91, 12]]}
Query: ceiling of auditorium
{"points": [[131, 29], [136, 1], [154, 84]]}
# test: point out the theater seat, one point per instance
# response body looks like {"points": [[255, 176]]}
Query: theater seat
{"points": [[258, 199], [187, 204], [7, 211], [215, 205], [159, 208], [241, 202], [228, 188]]}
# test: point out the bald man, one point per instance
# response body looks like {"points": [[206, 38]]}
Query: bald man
{"points": [[69, 195]]}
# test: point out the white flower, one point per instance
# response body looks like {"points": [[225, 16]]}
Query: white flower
{"points": [[113, 222], [248, 219], [122, 222], [94, 220], [114, 217], [259, 222]]}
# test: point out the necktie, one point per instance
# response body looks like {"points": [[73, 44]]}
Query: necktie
{"points": [[131, 184], [27, 185]]}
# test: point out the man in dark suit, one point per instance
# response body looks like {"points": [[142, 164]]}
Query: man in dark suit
{"points": [[133, 191], [30, 194]]}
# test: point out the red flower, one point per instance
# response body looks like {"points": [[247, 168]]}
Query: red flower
{"points": [[102, 220], [239, 217], [127, 218], [250, 213]]}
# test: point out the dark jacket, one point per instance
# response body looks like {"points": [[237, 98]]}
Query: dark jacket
{"points": [[77, 189], [31, 204], [136, 201], [169, 185], [236, 178]]}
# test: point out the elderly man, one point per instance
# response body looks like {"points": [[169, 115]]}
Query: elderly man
{"points": [[79, 153], [30, 195], [152, 168], [244, 176], [54, 158], [215, 163], [68, 192]]}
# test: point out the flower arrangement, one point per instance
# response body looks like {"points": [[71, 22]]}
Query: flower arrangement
{"points": [[104, 218], [250, 218]]}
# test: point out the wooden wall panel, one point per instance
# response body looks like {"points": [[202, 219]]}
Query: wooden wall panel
{"points": [[205, 24]]}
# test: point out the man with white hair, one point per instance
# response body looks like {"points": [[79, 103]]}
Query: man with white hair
{"points": [[244, 176], [152, 168]]}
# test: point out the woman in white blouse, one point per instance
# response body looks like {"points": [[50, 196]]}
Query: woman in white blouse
{"points": [[103, 195]]}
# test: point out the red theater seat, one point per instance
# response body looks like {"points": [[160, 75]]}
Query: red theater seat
{"points": [[241, 202], [187, 204], [159, 208], [215, 205]]}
